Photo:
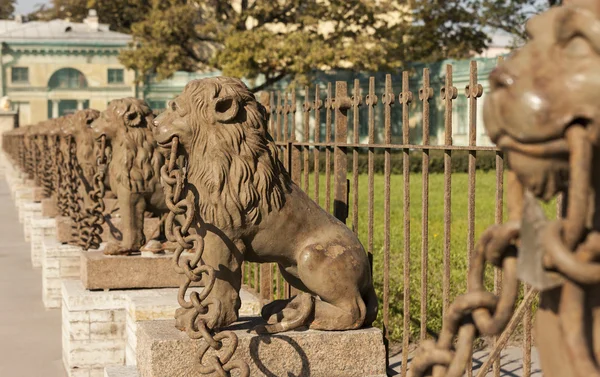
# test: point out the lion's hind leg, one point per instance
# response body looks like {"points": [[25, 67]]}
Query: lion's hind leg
{"points": [[295, 312]]}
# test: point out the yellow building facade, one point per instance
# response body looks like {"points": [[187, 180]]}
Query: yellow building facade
{"points": [[49, 69]]}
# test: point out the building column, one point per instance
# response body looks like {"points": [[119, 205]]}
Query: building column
{"points": [[55, 108], [80, 104]]}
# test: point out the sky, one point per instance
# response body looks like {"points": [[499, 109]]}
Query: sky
{"points": [[27, 6]]}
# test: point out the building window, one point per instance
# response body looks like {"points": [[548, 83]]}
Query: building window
{"points": [[20, 75], [115, 76], [67, 78]]}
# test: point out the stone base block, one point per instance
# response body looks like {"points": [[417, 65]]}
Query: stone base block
{"points": [[38, 194], [99, 271], [59, 262], [30, 211], [40, 228], [99, 327], [162, 307], [110, 230], [50, 207], [121, 371], [165, 351], [23, 194]]}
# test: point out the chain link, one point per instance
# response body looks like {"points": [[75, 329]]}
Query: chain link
{"points": [[477, 311], [206, 311], [94, 219]]}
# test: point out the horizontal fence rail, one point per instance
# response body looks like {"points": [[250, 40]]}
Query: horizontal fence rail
{"points": [[418, 226]]}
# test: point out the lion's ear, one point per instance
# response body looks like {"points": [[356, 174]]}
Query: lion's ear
{"points": [[225, 109], [133, 118]]}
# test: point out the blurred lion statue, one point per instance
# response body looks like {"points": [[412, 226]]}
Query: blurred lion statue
{"points": [[134, 169]]}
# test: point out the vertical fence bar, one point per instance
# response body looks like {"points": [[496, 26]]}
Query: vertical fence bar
{"points": [[296, 166], [473, 91], [271, 115], [306, 136], [317, 105], [328, 107], [340, 158], [406, 99], [278, 110], [296, 159], [285, 135], [356, 103], [425, 94], [498, 219], [499, 214], [527, 336], [371, 101], [448, 93], [387, 99]]}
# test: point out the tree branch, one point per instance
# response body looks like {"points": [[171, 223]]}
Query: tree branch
{"points": [[268, 82]]}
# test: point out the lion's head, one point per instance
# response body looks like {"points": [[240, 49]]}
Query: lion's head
{"points": [[233, 161], [543, 90], [125, 125]]}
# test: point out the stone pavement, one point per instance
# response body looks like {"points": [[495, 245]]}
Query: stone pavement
{"points": [[511, 364], [30, 336]]}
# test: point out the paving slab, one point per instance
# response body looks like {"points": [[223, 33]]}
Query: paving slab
{"points": [[30, 344]]}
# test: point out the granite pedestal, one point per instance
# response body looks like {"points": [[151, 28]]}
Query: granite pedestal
{"points": [[99, 327], [50, 207], [30, 210], [165, 351], [59, 262], [100, 271], [41, 228]]}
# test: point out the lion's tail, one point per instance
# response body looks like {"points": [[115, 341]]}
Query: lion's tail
{"points": [[372, 305]]}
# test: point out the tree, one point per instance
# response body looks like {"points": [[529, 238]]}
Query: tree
{"points": [[509, 16], [265, 40], [261, 39], [119, 14], [7, 8]]}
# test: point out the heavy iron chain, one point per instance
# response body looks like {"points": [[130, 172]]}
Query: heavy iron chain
{"points": [[570, 249], [46, 179], [476, 311], [63, 194], [206, 310], [72, 183], [29, 157], [22, 153], [92, 224]]}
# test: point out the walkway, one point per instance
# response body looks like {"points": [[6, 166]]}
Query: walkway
{"points": [[30, 335]]}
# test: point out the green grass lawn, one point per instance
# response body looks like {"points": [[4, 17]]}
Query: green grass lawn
{"points": [[485, 205]]}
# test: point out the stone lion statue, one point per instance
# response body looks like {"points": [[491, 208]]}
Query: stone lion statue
{"points": [[544, 114], [251, 210], [81, 122], [134, 169]]}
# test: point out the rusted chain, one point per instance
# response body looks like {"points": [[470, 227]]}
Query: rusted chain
{"points": [[92, 223], [475, 311], [206, 310]]}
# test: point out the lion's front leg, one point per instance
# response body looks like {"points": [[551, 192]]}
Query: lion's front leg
{"points": [[225, 257], [131, 208]]}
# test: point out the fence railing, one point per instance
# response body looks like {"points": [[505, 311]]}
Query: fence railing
{"points": [[419, 229]]}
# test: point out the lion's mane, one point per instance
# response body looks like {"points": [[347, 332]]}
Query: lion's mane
{"points": [[86, 158], [238, 173], [135, 152]]}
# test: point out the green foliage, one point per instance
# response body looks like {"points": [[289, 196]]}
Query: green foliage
{"points": [[120, 15], [485, 161], [7, 8], [266, 41]]}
